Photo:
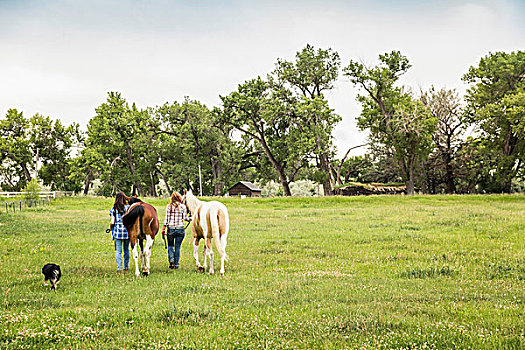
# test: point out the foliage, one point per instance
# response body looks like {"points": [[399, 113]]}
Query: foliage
{"points": [[191, 135], [396, 120], [496, 104], [268, 120], [313, 73], [32, 189], [23, 141], [281, 128], [445, 107], [120, 147]]}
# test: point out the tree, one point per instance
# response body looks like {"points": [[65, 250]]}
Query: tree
{"points": [[268, 117], [25, 142], [121, 136], [191, 138], [395, 119], [496, 105], [313, 73], [52, 143], [15, 149], [445, 107]]}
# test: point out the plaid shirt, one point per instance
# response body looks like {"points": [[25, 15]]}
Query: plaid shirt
{"points": [[175, 216], [119, 231]]}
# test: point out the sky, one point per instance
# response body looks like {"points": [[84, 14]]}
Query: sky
{"points": [[60, 58]]}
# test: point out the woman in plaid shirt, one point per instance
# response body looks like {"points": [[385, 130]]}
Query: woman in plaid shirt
{"points": [[176, 213], [119, 232]]}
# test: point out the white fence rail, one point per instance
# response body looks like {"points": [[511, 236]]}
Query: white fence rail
{"points": [[41, 194]]}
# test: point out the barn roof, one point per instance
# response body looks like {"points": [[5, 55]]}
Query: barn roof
{"points": [[249, 185]]}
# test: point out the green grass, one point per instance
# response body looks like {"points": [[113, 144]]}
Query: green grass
{"points": [[381, 272]]}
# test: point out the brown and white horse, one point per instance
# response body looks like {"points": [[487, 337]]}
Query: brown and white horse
{"points": [[210, 222], [142, 223]]}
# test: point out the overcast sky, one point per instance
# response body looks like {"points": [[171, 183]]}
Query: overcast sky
{"points": [[60, 58]]}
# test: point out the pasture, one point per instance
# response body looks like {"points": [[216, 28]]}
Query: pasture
{"points": [[423, 272]]}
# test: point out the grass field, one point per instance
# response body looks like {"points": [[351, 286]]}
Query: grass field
{"points": [[423, 272]]}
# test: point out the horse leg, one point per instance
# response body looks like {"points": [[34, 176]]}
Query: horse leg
{"points": [[223, 256], [209, 252], [196, 254], [142, 262], [147, 255], [133, 242], [204, 257]]}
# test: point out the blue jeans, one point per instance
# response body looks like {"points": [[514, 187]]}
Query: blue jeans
{"points": [[175, 237], [122, 245]]}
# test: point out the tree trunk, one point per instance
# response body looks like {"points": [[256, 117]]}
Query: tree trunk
{"points": [[132, 170], [26, 171], [153, 189], [276, 166], [217, 171], [165, 181], [324, 166], [88, 181], [449, 174], [410, 180]]}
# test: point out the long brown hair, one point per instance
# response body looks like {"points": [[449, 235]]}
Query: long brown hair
{"points": [[176, 199], [120, 201]]}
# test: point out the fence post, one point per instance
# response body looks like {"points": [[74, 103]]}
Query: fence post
{"points": [[20, 204]]}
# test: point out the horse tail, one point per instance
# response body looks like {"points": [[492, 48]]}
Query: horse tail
{"points": [[141, 215], [214, 223], [131, 217]]}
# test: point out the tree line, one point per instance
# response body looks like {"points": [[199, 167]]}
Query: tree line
{"points": [[280, 127]]}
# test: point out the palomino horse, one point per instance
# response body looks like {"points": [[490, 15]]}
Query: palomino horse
{"points": [[210, 221], [145, 228]]}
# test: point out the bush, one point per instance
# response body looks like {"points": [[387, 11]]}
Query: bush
{"points": [[32, 189]]}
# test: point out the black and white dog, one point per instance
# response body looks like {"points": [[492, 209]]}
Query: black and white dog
{"points": [[52, 273]]}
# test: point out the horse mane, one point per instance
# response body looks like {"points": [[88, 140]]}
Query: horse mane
{"points": [[131, 216], [192, 202], [133, 200]]}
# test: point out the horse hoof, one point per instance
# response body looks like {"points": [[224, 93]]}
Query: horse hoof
{"points": [[222, 274], [200, 269]]}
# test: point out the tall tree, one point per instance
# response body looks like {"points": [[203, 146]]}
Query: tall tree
{"points": [[52, 143], [192, 139], [395, 119], [15, 149], [268, 116], [445, 106], [313, 73], [496, 104], [26, 142], [121, 135]]}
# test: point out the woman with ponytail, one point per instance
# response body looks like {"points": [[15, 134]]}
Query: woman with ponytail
{"points": [[176, 213]]}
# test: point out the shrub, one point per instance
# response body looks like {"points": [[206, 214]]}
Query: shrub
{"points": [[32, 189]]}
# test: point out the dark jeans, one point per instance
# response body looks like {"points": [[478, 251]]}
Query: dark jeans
{"points": [[175, 237]]}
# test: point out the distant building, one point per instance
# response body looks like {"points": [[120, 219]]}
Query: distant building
{"points": [[245, 188]]}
